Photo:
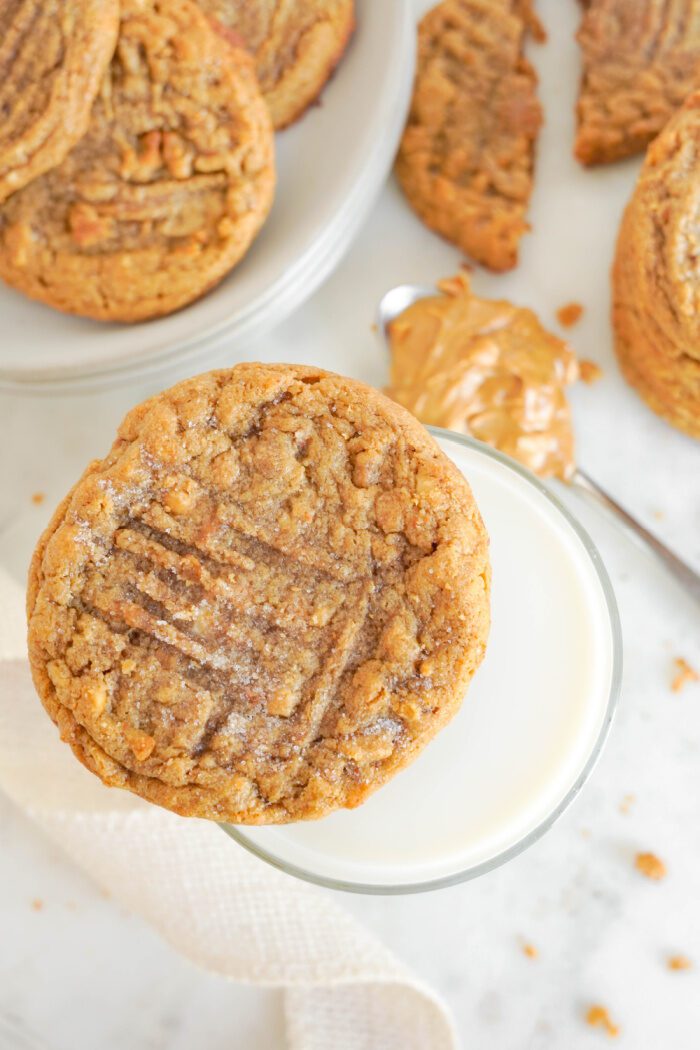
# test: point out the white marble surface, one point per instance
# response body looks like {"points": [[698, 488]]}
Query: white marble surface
{"points": [[80, 973]]}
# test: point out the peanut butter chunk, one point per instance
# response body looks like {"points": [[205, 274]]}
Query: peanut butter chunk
{"points": [[486, 368]]}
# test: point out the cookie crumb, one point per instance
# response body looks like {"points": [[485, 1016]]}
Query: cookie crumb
{"points": [[37, 904], [569, 314], [530, 951], [38, 498], [679, 962], [659, 515], [374, 327], [684, 674], [589, 371], [598, 1017], [626, 804], [466, 266], [651, 866]]}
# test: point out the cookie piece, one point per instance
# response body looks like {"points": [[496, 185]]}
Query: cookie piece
{"points": [[487, 368], [167, 189], [467, 154], [53, 56], [264, 601], [296, 43], [640, 60], [656, 275]]}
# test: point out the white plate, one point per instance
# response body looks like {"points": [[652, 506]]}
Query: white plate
{"points": [[331, 168], [528, 734]]}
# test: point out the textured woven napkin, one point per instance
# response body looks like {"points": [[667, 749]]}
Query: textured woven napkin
{"points": [[219, 906]]}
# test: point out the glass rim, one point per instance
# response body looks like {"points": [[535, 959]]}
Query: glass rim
{"points": [[237, 832]]}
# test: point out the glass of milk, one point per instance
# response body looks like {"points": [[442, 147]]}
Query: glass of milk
{"points": [[530, 729]]}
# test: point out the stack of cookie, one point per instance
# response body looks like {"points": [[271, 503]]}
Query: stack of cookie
{"points": [[137, 152], [656, 277]]}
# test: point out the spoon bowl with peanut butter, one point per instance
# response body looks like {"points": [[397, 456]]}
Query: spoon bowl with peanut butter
{"points": [[489, 369]]}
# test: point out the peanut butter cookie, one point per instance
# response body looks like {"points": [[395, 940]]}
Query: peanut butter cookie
{"points": [[166, 190], [640, 60], [53, 56], [466, 158], [296, 43], [656, 276], [264, 601]]}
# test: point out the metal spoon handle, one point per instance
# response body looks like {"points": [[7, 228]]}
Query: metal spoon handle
{"points": [[686, 577]]}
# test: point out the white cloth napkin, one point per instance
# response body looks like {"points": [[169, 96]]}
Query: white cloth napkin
{"points": [[219, 906]]}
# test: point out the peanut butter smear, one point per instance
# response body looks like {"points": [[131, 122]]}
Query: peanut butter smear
{"points": [[486, 368]]}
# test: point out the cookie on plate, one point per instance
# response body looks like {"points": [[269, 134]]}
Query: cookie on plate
{"points": [[296, 43], [640, 60], [53, 56], [656, 276], [467, 154], [166, 190], [264, 601]]}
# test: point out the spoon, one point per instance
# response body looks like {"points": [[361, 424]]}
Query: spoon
{"points": [[398, 299]]}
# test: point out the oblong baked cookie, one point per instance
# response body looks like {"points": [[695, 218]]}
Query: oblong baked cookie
{"points": [[53, 55], [296, 43], [264, 601], [640, 60], [656, 275], [466, 158], [166, 190]]}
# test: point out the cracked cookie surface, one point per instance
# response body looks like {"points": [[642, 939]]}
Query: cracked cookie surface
{"points": [[265, 600], [640, 60], [466, 158], [166, 190], [656, 275], [53, 55], [296, 43]]}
